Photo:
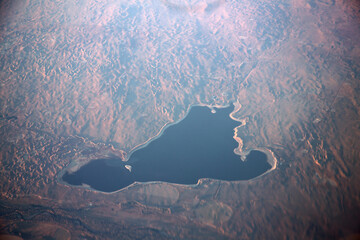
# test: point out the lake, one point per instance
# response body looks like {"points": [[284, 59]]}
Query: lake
{"points": [[199, 146]]}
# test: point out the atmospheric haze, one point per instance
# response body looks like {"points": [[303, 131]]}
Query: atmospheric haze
{"points": [[87, 80]]}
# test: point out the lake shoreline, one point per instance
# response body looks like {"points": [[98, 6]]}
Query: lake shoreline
{"points": [[271, 159]]}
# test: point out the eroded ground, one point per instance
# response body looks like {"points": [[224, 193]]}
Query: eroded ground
{"points": [[84, 80]]}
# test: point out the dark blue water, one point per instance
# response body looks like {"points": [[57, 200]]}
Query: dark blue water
{"points": [[199, 146]]}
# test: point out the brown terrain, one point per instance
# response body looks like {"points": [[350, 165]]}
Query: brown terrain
{"points": [[82, 80]]}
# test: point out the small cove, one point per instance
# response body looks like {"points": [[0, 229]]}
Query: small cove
{"points": [[199, 146]]}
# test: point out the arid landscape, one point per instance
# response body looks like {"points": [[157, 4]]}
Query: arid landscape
{"points": [[85, 80]]}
